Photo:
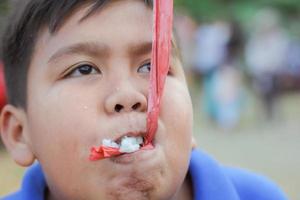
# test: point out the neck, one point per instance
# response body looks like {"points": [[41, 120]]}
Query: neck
{"points": [[186, 190]]}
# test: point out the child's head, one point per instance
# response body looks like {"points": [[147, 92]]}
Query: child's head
{"points": [[78, 72]]}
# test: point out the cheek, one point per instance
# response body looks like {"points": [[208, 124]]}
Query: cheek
{"points": [[62, 129], [61, 119], [176, 110], [177, 115]]}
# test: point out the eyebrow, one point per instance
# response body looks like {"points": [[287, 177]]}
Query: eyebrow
{"points": [[141, 48], [99, 49], [82, 48], [146, 47]]}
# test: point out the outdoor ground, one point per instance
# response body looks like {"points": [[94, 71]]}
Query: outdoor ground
{"points": [[269, 148]]}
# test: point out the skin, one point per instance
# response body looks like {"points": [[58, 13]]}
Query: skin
{"points": [[72, 96]]}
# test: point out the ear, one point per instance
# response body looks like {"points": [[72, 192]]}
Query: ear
{"points": [[14, 135], [194, 143]]}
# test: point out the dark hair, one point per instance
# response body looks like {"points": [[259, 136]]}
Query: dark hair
{"points": [[19, 39]]}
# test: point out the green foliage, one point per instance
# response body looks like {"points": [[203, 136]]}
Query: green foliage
{"points": [[3, 7], [205, 10]]}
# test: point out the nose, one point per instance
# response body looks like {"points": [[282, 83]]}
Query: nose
{"points": [[126, 99]]}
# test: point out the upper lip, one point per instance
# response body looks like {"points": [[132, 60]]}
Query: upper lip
{"points": [[133, 125]]}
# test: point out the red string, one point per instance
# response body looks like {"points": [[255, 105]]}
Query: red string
{"points": [[161, 48]]}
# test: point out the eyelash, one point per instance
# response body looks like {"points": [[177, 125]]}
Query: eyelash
{"points": [[91, 69], [149, 63], [145, 64]]}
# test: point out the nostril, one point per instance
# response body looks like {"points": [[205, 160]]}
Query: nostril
{"points": [[118, 108], [136, 106]]}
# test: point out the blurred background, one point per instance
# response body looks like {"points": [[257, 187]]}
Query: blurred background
{"points": [[242, 61]]}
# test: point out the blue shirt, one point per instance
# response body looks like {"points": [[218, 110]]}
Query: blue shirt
{"points": [[211, 181]]}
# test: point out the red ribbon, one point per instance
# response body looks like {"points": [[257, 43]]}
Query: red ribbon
{"points": [[160, 61]]}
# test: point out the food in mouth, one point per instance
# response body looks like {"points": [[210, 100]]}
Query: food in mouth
{"points": [[128, 144]]}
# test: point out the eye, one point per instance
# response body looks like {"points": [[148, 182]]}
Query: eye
{"points": [[145, 68], [83, 70]]}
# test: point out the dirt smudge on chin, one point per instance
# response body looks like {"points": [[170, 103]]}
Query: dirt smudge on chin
{"points": [[132, 188]]}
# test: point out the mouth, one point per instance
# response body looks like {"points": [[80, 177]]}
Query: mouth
{"points": [[132, 148], [127, 143]]}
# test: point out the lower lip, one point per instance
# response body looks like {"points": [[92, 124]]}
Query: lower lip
{"points": [[135, 157]]}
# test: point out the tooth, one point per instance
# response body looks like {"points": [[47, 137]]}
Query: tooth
{"points": [[140, 140], [109, 143], [129, 144]]}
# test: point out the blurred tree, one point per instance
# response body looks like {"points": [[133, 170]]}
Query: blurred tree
{"points": [[3, 13], [3, 8], [204, 10], [241, 11]]}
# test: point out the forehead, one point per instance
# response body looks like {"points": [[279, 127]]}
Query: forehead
{"points": [[116, 19], [118, 26]]}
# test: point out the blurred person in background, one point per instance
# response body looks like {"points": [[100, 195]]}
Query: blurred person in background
{"points": [[229, 90], [217, 52], [265, 54], [294, 58], [210, 54], [291, 79], [185, 28], [211, 42]]}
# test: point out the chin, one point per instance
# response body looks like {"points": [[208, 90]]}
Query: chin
{"points": [[132, 188], [135, 188], [140, 178]]}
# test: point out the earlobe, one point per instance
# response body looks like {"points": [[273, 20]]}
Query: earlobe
{"points": [[14, 135]]}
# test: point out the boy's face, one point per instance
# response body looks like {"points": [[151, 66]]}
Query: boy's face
{"points": [[90, 81]]}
